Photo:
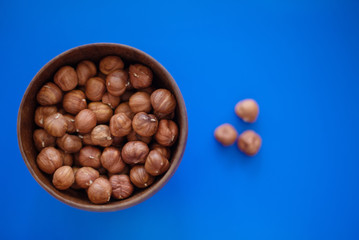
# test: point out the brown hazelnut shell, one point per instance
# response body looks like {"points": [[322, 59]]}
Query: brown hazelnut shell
{"points": [[120, 125], [133, 136], [100, 191], [102, 111], [121, 186], [110, 63], [101, 136], [247, 110], [125, 108], [249, 142], [74, 101], [140, 76], [167, 133], [116, 82], [156, 164], [66, 78], [71, 128], [139, 177], [111, 160], [63, 178], [90, 157], [126, 95], [145, 124], [85, 176], [165, 151], [42, 139], [42, 112], [135, 152], [85, 70], [226, 134], [56, 125], [69, 143], [49, 94], [163, 101], [49, 159], [140, 102], [110, 100], [85, 121], [95, 89]]}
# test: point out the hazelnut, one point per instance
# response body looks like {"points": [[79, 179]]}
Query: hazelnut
{"points": [[56, 125], [63, 178], [49, 159], [118, 141], [249, 142], [49, 94], [116, 82], [101, 75], [161, 116], [121, 186], [167, 133], [247, 110], [42, 139], [126, 96], [101, 136], [156, 163], [74, 102], [85, 121], [226, 134], [145, 124], [140, 102], [125, 108], [90, 157], [134, 152], [133, 136], [110, 63], [85, 70], [71, 128], [85, 176], [111, 160], [102, 111], [100, 191], [69, 143], [102, 171], [42, 113], [139, 177], [148, 90], [166, 152], [67, 157], [95, 88], [86, 139], [76, 159], [75, 185], [140, 76], [120, 125], [163, 101], [111, 100], [66, 78]]}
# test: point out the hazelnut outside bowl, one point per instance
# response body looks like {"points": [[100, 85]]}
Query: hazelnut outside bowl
{"points": [[94, 52]]}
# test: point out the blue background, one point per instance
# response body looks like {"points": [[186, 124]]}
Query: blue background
{"points": [[298, 59]]}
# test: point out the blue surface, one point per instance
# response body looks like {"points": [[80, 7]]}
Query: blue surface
{"points": [[298, 59]]}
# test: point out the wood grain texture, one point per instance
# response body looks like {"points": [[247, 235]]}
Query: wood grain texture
{"points": [[94, 52]]}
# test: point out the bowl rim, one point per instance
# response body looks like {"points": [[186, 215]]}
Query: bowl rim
{"points": [[182, 140]]}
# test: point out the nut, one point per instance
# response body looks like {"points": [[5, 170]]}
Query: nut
{"points": [[121, 186], [42, 113], [247, 110], [156, 164], [67, 157], [111, 100], [100, 191], [148, 90], [85, 121], [167, 133], [95, 88], [101, 136], [120, 125], [66, 78], [134, 152], [49, 94], [86, 139], [140, 76], [110, 63], [145, 124], [139, 177], [116, 82], [140, 102], [125, 108], [56, 125], [85, 70], [71, 128], [118, 141], [90, 157], [102, 111], [63, 178], [226, 134], [69, 143], [126, 96], [42, 139], [249, 142], [163, 101], [74, 101], [161, 116], [111, 160], [133, 136], [85, 176], [75, 185], [166, 152], [49, 159]]}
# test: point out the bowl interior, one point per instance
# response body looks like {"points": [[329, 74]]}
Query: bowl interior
{"points": [[95, 52]]}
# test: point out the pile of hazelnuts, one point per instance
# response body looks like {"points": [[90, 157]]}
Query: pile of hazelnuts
{"points": [[107, 132], [249, 142]]}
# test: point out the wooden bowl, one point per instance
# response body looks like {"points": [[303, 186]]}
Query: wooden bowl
{"points": [[94, 52]]}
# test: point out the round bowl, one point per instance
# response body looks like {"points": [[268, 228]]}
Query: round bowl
{"points": [[94, 52]]}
